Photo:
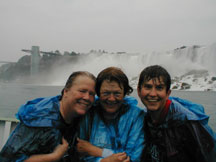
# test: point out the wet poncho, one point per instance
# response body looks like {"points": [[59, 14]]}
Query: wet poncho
{"points": [[40, 130], [124, 133], [183, 136]]}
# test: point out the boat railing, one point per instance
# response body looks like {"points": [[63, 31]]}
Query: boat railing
{"points": [[7, 125]]}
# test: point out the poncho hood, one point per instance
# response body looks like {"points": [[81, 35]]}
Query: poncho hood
{"points": [[40, 112], [182, 108]]}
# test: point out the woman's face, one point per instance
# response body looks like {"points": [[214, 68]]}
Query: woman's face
{"points": [[153, 94], [80, 97], [111, 96]]}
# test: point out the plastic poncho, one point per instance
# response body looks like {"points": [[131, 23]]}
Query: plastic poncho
{"points": [[184, 135], [122, 134], [39, 131]]}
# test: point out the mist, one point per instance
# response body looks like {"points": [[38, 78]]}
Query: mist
{"points": [[177, 62]]}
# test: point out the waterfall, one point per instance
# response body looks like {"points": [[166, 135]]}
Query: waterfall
{"points": [[178, 62], [192, 65]]}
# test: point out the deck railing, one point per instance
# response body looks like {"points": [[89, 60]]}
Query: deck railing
{"points": [[7, 125]]}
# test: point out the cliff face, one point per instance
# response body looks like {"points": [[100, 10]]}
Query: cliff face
{"points": [[20, 71], [14, 71]]}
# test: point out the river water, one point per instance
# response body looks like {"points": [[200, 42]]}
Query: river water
{"points": [[13, 95]]}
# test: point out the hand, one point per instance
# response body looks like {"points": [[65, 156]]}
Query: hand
{"points": [[83, 146], [87, 148], [56, 155], [61, 149], [127, 159], [118, 157]]}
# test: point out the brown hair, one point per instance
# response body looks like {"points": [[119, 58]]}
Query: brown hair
{"points": [[154, 72], [113, 74]]}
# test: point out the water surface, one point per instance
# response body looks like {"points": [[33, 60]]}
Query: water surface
{"points": [[14, 95]]}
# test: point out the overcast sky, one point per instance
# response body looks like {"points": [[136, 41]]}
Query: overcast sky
{"points": [[111, 25]]}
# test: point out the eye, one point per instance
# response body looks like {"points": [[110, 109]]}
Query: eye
{"points": [[160, 87], [147, 86], [92, 93], [105, 93], [117, 94], [82, 91]]}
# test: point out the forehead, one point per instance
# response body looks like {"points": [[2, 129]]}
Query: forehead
{"points": [[157, 81], [110, 85], [82, 79]]}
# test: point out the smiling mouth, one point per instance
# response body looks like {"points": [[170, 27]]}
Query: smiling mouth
{"points": [[84, 104], [153, 100], [111, 104]]}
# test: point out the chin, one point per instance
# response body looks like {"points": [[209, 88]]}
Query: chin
{"points": [[81, 112], [111, 111], [152, 108]]}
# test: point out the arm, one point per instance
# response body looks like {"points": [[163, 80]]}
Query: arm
{"points": [[118, 157], [86, 147], [56, 155], [131, 132], [13, 149], [26, 141], [89, 149]]}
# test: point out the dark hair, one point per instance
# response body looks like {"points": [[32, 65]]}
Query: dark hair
{"points": [[113, 74], [73, 76], [153, 72]]}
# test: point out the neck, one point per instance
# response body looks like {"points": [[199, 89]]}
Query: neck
{"points": [[159, 116], [67, 116], [155, 116], [110, 116]]}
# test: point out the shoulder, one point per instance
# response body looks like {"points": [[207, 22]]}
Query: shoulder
{"points": [[132, 103], [36, 113], [133, 112], [181, 108], [38, 104]]}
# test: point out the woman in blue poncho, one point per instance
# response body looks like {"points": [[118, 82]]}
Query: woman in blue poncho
{"points": [[112, 130], [175, 130], [44, 131]]}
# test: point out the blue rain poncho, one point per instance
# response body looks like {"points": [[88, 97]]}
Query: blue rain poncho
{"points": [[40, 130], [184, 135], [122, 134]]}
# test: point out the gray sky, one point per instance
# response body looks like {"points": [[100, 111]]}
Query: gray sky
{"points": [[111, 25]]}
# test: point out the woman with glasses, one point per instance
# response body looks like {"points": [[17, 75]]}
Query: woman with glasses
{"points": [[112, 130]]}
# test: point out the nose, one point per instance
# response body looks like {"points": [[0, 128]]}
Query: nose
{"points": [[86, 96], [111, 97], [153, 92]]}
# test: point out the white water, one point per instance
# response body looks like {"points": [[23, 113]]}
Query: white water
{"points": [[177, 62]]}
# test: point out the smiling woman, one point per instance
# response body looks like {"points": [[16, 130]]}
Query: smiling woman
{"points": [[175, 129], [114, 123], [77, 98], [111, 96], [52, 121]]}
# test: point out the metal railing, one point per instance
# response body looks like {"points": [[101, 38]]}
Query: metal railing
{"points": [[7, 125]]}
